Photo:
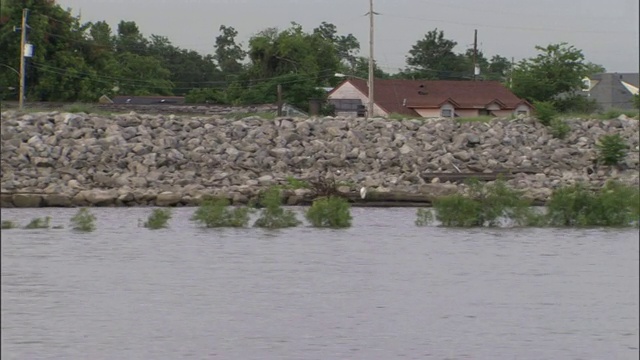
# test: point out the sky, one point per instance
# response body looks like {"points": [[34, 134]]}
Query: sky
{"points": [[607, 31]]}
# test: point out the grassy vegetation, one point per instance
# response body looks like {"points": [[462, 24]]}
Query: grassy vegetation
{"points": [[83, 221], [475, 119], [612, 149], [330, 212], [216, 213], [273, 216], [614, 205], [293, 183], [486, 205], [158, 219], [614, 113], [559, 128], [268, 115], [39, 223], [545, 112], [8, 224]]}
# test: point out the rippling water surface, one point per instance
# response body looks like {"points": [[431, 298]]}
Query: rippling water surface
{"points": [[383, 289]]}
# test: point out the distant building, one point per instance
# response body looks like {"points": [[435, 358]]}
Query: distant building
{"points": [[428, 98], [612, 90]]}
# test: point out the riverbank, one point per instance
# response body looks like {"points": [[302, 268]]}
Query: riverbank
{"points": [[66, 159]]}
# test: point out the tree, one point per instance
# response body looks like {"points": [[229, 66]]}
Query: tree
{"points": [[228, 54], [433, 58], [130, 39], [593, 69], [347, 46], [361, 69], [498, 69], [559, 69]]}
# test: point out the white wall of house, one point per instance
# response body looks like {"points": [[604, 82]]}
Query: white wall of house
{"points": [[428, 113], [348, 91]]}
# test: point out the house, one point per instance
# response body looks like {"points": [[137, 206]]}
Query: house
{"points": [[612, 90], [149, 100], [427, 98]]}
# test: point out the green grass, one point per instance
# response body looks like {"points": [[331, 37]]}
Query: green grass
{"points": [[267, 115], [475, 119], [158, 219], [614, 113]]}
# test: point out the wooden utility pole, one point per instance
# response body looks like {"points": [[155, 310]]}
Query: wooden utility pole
{"points": [[279, 89], [476, 69], [511, 74], [371, 63], [23, 43]]}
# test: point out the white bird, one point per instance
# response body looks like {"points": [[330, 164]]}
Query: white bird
{"points": [[363, 192]]}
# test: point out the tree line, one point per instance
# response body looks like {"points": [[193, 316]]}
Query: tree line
{"points": [[81, 61]]}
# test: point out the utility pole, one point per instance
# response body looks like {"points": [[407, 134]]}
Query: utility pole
{"points": [[23, 43], [475, 55], [371, 63], [511, 74]]}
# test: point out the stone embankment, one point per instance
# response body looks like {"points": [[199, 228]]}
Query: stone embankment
{"points": [[65, 159]]}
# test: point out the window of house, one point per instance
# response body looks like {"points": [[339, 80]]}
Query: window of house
{"points": [[446, 113], [521, 112]]}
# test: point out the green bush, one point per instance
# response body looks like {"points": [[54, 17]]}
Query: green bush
{"points": [[559, 128], [83, 221], [614, 205], [273, 216], [39, 223], [612, 148], [8, 224], [330, 212], [293, 183], [576, 104], [484, 205], [158, 219], [545, 112], [216, 213]]}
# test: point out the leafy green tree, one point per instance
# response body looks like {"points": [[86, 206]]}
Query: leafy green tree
{"points": [[593, 69], [130, 39], [433, 58], [499, 68], [558, 69], [347, 46], [361, 69], [228, 54]]}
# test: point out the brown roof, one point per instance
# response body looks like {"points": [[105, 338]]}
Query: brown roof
{"points": [[392, 94]]}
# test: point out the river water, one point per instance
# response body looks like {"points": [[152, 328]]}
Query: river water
{"points": [[383, 289]]}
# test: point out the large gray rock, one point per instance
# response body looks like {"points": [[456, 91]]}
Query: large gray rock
{"points": [[27, 200]]}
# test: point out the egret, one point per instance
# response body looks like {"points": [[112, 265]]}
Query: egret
{"points": [[363, 192]]}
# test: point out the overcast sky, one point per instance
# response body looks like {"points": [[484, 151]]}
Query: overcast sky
{"points": [[605, 30]]}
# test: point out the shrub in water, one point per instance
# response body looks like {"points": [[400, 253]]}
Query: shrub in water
{"points": [[559, 128], [485, 205], [330, 212], [8, 224], [273, 216], [39, 223], [612, 148], [158, 219], [545, 112], [424, 217], [216, 213], [576, 205], [83, 220]]}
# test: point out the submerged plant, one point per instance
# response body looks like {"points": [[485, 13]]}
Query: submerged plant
{"points": [[158, 219], [8, 224], [39, 223], [330, 212], [216, 213], [484, 205], [83, 221], [273, 216], [614, 205], [424, 217]]}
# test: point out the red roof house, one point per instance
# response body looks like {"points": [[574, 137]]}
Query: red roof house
{"points": [[428, 98]]}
